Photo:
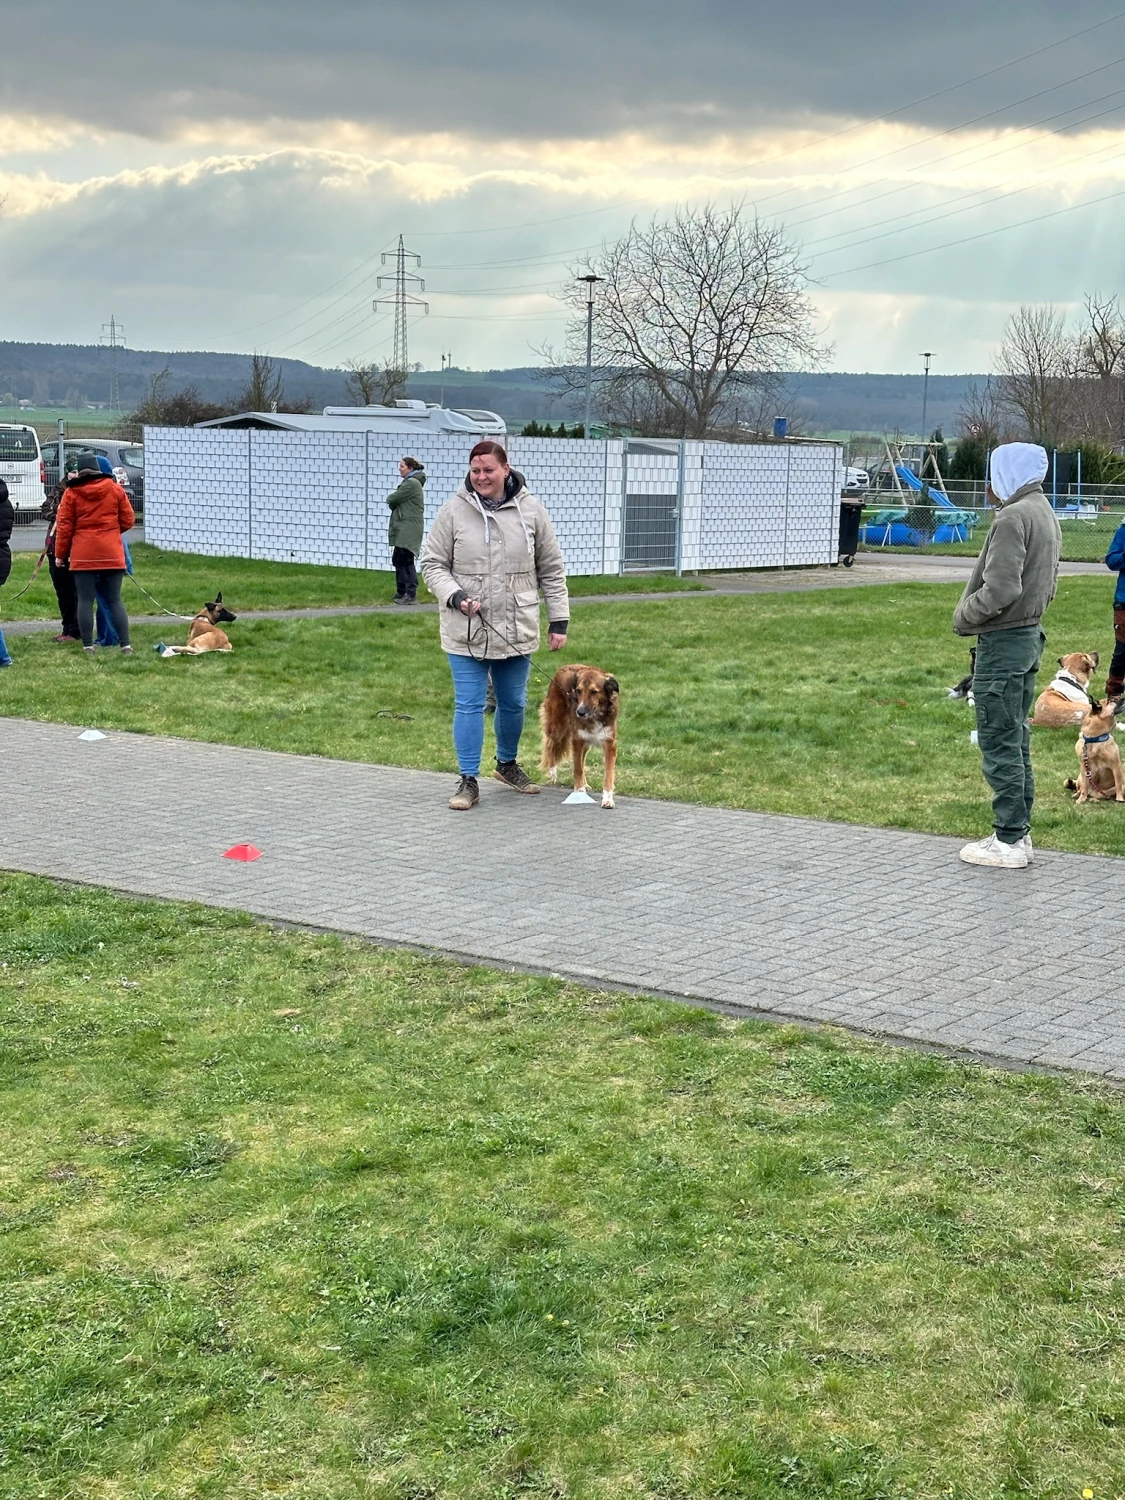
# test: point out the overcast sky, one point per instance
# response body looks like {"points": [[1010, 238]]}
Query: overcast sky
{"points": [[227, 176]]}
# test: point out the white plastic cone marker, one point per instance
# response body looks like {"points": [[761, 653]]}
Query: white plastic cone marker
{"points": [[91, 734], [576, 799]]}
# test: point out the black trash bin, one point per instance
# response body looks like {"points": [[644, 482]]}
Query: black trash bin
{"points": [[850, 513]]}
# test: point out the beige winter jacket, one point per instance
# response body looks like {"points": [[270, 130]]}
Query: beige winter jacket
{"points": [[503, 558]]}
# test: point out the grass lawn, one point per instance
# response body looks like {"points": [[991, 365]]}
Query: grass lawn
{"points": [[828, 704], [284, 1214], [183, 582]]}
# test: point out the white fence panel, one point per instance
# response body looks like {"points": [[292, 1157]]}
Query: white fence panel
{"points": [[308, 497], [197, 490], [743, 511], [569, 476], [320, 497]]}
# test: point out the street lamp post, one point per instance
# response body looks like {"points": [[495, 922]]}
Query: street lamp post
{"points": [[927, 355], [446, 364], [591, 281]]}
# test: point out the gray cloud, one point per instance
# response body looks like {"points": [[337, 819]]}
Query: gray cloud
{"points": [[528, 70]]}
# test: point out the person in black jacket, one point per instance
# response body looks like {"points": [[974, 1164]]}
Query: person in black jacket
{"points": [[61, 577], [7, 521]]}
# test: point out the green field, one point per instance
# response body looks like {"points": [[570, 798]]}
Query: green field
{"points": [[183, 582], [45, 420], [827, 704], [288, 1215]]}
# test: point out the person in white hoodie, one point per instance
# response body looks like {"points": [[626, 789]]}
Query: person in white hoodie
{"points": [[490, 551], [1013, 582]]}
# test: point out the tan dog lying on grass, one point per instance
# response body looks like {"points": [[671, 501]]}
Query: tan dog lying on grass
{"points": [[1063, 702], [1099, 757], [203, 633], [580, 710]]}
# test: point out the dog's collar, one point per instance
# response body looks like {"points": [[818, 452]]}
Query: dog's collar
{"points": [[1095, 739]]}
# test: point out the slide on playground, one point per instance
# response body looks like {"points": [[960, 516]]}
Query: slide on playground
{"points": [[889, 528]]}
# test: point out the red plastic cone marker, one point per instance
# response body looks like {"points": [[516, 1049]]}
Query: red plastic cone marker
{"points": [[245, 852]]}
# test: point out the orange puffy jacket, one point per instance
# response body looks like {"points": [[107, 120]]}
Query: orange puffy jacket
{"points": [[94, 512]]}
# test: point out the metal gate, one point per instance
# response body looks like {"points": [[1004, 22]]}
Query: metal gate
{"points": [[653, 509]]}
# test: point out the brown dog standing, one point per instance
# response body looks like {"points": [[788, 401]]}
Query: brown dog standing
{"points": [[580, 710], [1099, 757]]}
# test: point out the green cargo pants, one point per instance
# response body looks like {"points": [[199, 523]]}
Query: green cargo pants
{"points": [[1004, 690]]}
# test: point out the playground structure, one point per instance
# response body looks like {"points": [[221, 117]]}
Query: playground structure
{"points": [[924, 513]]}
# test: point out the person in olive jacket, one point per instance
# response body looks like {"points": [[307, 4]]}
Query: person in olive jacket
{"points": [[408, 510]]}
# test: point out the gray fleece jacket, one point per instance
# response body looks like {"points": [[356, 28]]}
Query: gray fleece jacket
{"points": [[1018, 567]]}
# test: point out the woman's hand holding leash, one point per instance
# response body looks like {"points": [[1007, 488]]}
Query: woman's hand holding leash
{"points": [[469, 606]]}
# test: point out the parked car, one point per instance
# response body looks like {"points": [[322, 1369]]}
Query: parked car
{"points": [[856, 479], [21, 467], [127, 459]]}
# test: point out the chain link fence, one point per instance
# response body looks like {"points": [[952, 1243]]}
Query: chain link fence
{"points": [[958, 530]]}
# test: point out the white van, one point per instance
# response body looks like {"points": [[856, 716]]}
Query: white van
{"points": [[21, 466]]}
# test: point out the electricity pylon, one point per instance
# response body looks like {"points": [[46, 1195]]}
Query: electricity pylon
{"points": [[402, 301]]}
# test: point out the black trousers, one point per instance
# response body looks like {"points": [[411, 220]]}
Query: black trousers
{"points": [[406, 574], [86, 585], [63, 580], [1115, 682]]}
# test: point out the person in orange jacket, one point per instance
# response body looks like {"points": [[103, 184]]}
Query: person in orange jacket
{"points": [[93, 517]]}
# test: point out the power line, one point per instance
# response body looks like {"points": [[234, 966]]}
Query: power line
{"points": [[969, 238], [943, 161], [250, 328], [794, 150]]}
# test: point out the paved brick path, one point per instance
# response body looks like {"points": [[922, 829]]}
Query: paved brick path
{"points": [[874, 930]]}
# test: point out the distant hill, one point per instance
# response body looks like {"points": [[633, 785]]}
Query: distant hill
{"points": [[72, 375]]}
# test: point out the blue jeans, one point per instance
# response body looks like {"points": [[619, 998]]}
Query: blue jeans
{"points": [[5, 659], [105, 633], [470, 685]]}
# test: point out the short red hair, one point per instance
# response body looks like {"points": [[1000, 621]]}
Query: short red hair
{"points": [[487, 448]]}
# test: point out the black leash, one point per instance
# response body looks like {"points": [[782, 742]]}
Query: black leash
{"points": [[490, 629]]}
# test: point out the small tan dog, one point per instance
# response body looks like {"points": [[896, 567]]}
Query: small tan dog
{"points": [[1099, 757], [203, 633], [1063, 702], [580, 710]]}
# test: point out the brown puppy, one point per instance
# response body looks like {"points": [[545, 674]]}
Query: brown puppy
{"points": [[1099, 757], [204, 634], [1063, 702], [580, 710]]}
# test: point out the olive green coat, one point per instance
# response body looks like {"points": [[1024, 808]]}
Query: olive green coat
{"points": [[408, 513]]}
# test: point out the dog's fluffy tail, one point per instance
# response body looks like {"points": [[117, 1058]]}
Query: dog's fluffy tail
{"points": [[1070, 785]]}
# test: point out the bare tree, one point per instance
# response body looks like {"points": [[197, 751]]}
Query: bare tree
{"points": [[375, 385], [1099, 371], [163, 408], [982, 414], [694, 310], [1036, 373], [363, 382], [265, 390]]}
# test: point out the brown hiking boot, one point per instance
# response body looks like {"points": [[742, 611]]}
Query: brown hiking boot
{"points": [[467, 794], [508, 771]]}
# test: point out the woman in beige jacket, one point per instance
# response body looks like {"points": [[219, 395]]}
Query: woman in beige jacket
{"points": [[489, 552]]}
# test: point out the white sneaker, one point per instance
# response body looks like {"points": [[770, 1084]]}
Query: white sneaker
{"points": [[998, 856]]}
